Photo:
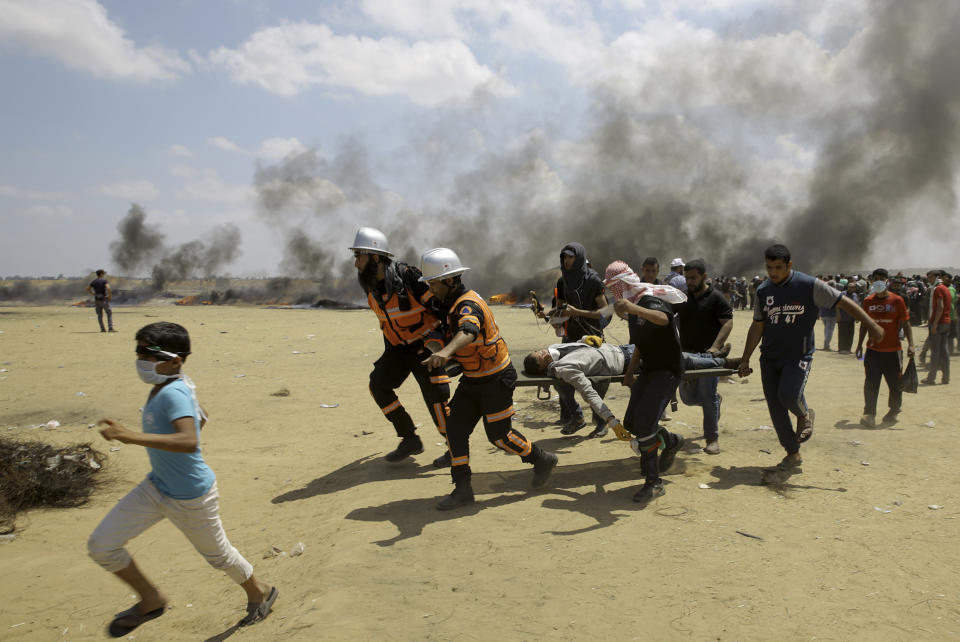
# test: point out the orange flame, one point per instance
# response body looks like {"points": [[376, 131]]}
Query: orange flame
{"points": [[502, 299]]}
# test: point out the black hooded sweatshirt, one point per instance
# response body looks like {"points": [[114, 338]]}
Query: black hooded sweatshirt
{"points": [[580, 286]]}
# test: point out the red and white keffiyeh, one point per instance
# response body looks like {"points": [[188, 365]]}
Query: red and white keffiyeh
{"points": [[625, 284]]}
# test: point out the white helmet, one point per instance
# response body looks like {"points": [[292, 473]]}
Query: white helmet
{"points": [[440, 263], [371, 241]]}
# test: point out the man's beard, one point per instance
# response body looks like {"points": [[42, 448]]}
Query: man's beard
{"points": [[368, 277]]}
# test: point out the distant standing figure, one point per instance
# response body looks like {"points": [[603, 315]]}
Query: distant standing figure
{"points": [[100, 289], [846, 322]]}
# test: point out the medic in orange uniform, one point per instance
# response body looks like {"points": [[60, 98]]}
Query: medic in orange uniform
{"points": [[405, 308], [486, 387]]}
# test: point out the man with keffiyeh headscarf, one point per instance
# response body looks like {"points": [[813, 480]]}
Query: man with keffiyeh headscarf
{"points": [[653, 332], [579, 297]]}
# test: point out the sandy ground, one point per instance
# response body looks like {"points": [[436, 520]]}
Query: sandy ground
{"points": [[850, 548]]}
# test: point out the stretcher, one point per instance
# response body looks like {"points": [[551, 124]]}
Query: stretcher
{"points": [[543, 382]]}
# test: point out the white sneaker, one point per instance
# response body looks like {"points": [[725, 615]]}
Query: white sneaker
{"points": [[870, 421], [712, 448]]}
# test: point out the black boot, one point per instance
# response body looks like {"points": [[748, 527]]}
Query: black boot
{"points": [[652, 487], [410, 445], [648, 492], [543, 465], [461, 496], [462, 491], [443, 461], [670, 451]]}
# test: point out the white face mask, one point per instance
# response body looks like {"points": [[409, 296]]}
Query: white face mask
{"points": [[147, 370], [878, 287]]}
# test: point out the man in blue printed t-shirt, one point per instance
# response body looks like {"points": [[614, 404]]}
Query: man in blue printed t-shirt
{"points": [[784, 317]]}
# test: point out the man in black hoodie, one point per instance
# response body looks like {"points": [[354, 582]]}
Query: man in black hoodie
{"points": [[579, 296]]}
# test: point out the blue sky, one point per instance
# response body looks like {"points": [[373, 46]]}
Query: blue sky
{"points": [[174, 105]]}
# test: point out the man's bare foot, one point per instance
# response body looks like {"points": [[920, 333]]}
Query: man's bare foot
{"points": [[257, 591]]}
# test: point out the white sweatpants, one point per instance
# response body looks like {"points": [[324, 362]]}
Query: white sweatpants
{"points": [[144, 506]]}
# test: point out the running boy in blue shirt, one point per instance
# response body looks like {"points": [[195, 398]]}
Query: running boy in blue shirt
{"points": [[180, 486]]}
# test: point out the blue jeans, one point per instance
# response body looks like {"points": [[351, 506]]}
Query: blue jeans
{"points": [[829, 323], [703, 391], [783, 383]]}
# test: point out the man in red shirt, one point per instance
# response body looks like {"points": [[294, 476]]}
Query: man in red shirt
{"points": [[884, 359], [939, 328]]}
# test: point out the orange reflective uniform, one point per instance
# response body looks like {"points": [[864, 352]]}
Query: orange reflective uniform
{"points": [[403, 326], [487, 353]]}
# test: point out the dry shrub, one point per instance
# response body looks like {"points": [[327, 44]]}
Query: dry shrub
{"points": [[38, 475]]}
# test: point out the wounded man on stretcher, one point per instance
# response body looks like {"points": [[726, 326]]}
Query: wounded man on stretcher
{"points": [[589, 365]]}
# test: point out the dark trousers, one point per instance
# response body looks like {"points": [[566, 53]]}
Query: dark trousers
{"points": [[102, 305], [783, 383], [845, 335], [391, 370], [939, 355], [649, 396], [886, 365], [492, 401]]}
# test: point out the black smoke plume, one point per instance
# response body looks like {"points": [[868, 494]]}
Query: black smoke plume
{"points": [[898, 157], [141, 246], [682, 183]]}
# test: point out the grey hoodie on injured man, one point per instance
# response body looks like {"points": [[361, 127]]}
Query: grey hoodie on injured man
{"points": [[578, 361]]}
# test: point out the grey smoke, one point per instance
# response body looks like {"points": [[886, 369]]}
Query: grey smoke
{"points": [[645, 180], [902, 150], [141, 246]]}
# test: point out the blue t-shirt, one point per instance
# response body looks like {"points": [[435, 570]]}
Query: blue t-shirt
{"points": [[789, 311], [177, 475]]}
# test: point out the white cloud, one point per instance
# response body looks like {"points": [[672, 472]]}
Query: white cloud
{"points": [[79, 34], [182, 171], [421, 18], [564, 31], [11, 191], [293, 57], [180, 151], [209, 187], [225, 144], [280, 148], [49, 211], [269, 149], [671, 66], [132, 190]]}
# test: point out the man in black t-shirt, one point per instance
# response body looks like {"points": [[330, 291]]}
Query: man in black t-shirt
{"points": [[100, 289], [705, 322], [653, 332]]}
